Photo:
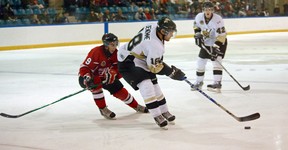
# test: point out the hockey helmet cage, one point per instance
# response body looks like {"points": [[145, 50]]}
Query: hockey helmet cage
{"points": [[167, 24], [107, 38]]}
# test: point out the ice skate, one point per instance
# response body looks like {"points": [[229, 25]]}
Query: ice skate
{"points": [[168, 116], [108, 114], [216, 87], [197, 85], [161, 122], [141, 109]]}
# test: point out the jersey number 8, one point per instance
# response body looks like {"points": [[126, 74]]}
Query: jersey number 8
{"points": [[135, 41]]}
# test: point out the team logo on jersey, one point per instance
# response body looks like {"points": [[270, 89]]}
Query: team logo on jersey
{"points": [[201, 22], [206, 33], [103, 63]]}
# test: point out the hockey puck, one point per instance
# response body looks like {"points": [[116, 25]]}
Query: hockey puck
{"points": [[247, 127]]}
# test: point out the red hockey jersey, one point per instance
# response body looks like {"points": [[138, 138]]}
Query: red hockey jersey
{"points": [[98, 61]]}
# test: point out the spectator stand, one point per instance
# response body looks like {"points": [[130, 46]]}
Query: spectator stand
{"points": [[177, 11]]}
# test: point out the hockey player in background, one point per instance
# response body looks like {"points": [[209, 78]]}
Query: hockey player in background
{"points": [[210, 35], [142, 58], [99, 71]]}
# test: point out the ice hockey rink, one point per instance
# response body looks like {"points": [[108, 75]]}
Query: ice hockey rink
{"points": [[33, 78]]}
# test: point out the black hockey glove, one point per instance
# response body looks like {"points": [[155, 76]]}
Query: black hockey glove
{"points": [[198, 39], [177, 74], [87, 82], [215, 52]]}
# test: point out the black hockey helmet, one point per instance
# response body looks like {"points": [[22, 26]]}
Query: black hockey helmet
{"points": [[167, 24], [108, 38], [208, 5]]}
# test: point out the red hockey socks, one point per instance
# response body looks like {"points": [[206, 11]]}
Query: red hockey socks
{"points": [[126, 97]]}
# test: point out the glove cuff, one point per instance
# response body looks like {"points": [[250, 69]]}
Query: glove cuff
{"points": [[166, 70], [218, 43], [172, 73], [86, 76]]}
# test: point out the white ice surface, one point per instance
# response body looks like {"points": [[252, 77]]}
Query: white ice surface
{"points": [[33, 78]]}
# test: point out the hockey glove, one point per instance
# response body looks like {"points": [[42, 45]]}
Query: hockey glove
{"points": [[177, 74], [88, 82], [198, 39], [215, 53], [110, 76]]}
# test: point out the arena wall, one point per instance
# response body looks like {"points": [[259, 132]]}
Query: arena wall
{"points": [[25, 37]]}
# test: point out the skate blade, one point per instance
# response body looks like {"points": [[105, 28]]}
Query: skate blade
{"points": [[172, 122], [214, 90], [108, 118], [194, 89], [164, 128]]}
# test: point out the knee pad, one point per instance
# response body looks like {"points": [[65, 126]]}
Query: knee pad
{"points": [[147, 91], [201, 63], [158, 92], [217, 64]]}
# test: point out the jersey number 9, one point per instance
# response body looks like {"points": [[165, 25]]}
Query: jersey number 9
{"points": [[88, 61]]}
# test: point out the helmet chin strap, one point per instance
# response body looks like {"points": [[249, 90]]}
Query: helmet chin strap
{"points": [[165, 33], [162, 34]]}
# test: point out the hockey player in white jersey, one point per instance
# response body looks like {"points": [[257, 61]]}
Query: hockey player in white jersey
{"points": [[142, 58], [209, 33]]}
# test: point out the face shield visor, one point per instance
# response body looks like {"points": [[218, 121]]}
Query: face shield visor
{"points": [[171, 32]]}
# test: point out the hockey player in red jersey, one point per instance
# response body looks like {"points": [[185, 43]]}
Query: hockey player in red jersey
{"points": [[99, 71]]}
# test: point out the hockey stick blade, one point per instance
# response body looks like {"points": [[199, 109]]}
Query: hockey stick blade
{"points": [[246, 88], [33, 110], [10, 116], [243, 88], [240, 119], [249, 118]]}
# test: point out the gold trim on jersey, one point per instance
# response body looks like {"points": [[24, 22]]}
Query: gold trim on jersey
{"points": [[200, 70], [149, 100], [156, 68], [195, 27], [221, 38], [161, 97], [217, 68], [139, 56]]}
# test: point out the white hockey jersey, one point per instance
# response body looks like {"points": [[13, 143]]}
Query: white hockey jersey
{"points": [[213, 31], [147, 49]]}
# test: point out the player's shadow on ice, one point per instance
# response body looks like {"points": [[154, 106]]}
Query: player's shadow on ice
{"points": [[133, 120]]}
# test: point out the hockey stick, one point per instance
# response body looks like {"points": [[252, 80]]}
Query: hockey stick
{"points": [[244, 88], [240, 119], [20, 115]]}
